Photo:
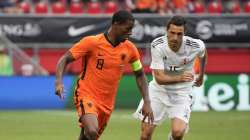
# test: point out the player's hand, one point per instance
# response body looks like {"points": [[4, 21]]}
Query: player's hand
{"points": [[59, 89], [199, 80], [147, 112], [186, 77]]}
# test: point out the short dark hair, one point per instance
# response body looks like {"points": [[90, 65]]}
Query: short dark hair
{"points": [[122, 16], [178, 21]]}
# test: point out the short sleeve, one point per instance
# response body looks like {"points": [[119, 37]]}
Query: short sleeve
{"points": [[82, 48], [134, 53], [157, 59]]}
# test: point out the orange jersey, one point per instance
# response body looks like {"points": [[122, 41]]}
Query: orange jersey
{"points": [[103, 68], [180, 3], [196, 65]]}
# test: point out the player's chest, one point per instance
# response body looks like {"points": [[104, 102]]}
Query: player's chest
{"points": [[111, 58], [177, 59]]}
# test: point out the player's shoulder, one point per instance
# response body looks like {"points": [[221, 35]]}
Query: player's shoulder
{"points": [[157, 42], [193, 42], [129, 44]]}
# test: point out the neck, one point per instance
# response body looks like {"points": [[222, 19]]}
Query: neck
{"points": [[111, 37]]}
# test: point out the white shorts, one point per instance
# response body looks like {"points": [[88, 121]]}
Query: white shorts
{"points": [[167, 105]]}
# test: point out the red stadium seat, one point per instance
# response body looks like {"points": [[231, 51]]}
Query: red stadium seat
{"points": [[58, 7], [25, 7], [110, 7], [215, 7], [94, 7], [41, 8], [235, 7], [76, 7], [247, 7], [199, 7]]}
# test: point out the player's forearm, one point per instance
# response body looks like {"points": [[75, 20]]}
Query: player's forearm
{"points": [[142, 84], [60, 69], [164, 79], [203, 61], [61, 65]]}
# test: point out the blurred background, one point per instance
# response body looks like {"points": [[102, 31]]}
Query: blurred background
{"points": [[34, 34]]}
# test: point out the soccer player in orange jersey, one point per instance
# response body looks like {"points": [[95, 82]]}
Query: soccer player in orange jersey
{"points": [[105, 56]]}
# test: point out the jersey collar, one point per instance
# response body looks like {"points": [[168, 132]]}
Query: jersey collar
{"points": [[106, 36]]}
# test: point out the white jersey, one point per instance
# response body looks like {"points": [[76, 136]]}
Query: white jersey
{"points": [[174, 63]]}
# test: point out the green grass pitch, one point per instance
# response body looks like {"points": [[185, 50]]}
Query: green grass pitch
{"points": [[62, 125]]}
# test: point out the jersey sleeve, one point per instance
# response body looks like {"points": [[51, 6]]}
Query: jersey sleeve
{"points": [[134, 53], [134, 60], [82, 48], [157, 59], [201, 49]]}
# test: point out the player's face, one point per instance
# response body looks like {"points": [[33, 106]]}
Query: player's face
{"points": [[124, 30], [175, 36]]}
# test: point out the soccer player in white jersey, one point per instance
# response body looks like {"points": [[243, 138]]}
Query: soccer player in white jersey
{"points": [[170, 90]]}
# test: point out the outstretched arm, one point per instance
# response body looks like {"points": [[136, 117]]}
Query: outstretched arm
{"points": [[61, 65], [142, 84]]}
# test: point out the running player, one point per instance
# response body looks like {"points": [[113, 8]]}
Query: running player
{"points": [[170, 90], [105, 56]]}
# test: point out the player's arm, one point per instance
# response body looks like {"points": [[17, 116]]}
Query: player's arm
{"points": [[142, 84], [162, 78], [157, 66], [61, 65], [79, 49], [203, 62]]}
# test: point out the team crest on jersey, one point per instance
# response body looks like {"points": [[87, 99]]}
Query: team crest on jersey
{"points": [[185, 61], [90, 104], [123, 56]]}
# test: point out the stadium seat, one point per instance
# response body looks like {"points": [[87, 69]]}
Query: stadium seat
{"points": [[25, 6], [41, 7], [110, 7], [215, 7], [76, 7], [235, 7], [58, 7], [94, 7], [199, 7], [247, 7]]}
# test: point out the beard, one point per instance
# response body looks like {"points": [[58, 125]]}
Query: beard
{"points": [[174, 46]]}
